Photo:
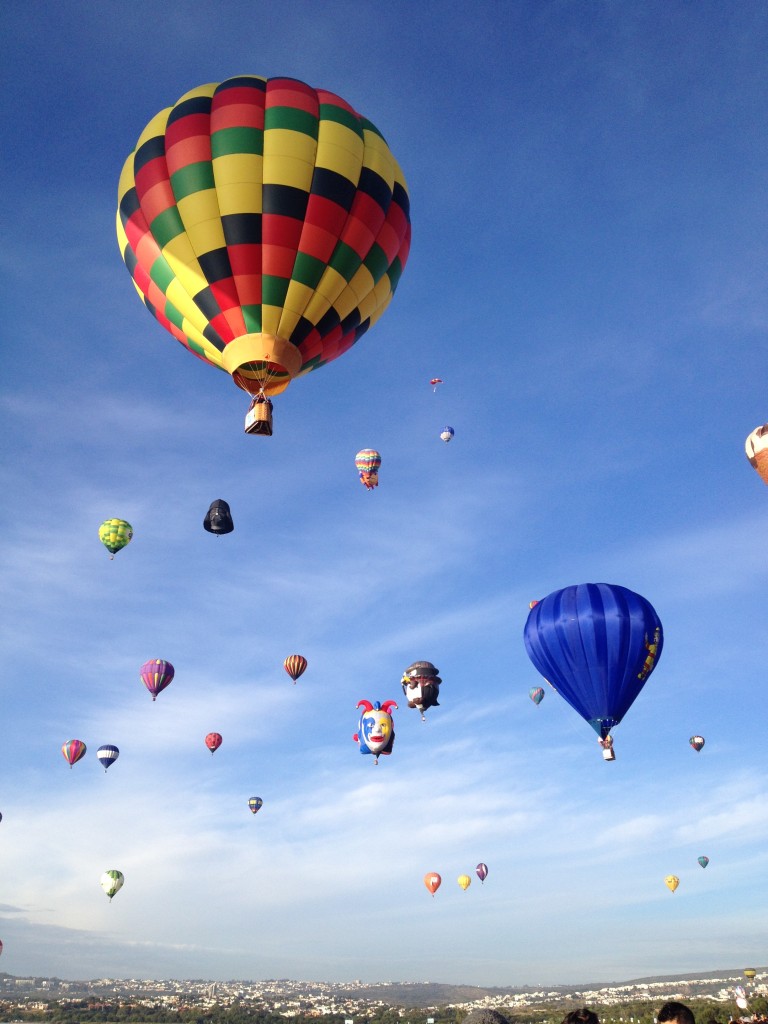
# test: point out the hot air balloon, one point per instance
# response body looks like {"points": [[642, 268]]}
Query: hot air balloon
{"points": [[213, 741], [421, 686], [265, 225], [111, 882], [750, 973], [482, 871], [218, 518], [432, 881], [434, 382], [757, 451], [464, 881], [295, 665], [73, 750], [376, 731], [536, 693], [697, 742], [114, 534], [156, 675], [1, 947], [107, 755], [446, 434], [597, 643], [672, 882], [703, 861], [367, 463], [255, 804]]}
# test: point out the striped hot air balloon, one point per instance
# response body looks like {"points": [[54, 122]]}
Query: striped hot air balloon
{"points": [[295, 665], [156, 675], [73, 750]]}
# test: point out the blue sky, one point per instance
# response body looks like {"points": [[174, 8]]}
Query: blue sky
{"points": [[587, 275]]}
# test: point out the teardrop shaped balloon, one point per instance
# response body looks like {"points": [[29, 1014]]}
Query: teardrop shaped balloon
{"points": [[597, 643], [111, 882], [464, 881], [255, 804], [482, 871], [295, 665], [107, 755], [697, 742], [156, 675], [265, 225], [536, 693], [114, 534], [213, 741], [446, 434], [367, 463], [757, 451], [432, 881], [703, 861], [672, 882], [73, 750]]}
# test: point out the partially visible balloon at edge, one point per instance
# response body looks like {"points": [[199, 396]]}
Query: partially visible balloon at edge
{"points": [[114, 534], [757, 451]]}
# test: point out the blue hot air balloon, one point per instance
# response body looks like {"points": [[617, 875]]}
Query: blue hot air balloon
{"points": [[107, 754], [597, 643]]}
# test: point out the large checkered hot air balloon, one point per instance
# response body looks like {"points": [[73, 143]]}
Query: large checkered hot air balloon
{"points": [[265, 224]]}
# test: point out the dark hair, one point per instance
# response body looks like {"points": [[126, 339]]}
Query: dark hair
{"points": [[676, 1011], [583, 1016]]}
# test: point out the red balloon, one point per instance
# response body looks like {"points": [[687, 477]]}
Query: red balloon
{"points": [[213, 741]]}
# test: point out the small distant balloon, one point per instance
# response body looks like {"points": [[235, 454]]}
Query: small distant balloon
{"points": [[73, 750], [156, 675], [107, 755], [703, 861], [435, 381], [295, 665], [757, 451], [367, 463], [672, 882], [114, 534], [482, 871], [255, 804], [446, 434], [213, 741], [697, 742], [1, 947], [218, 518], [111, 882], [749, 972], [464, 881], [432, 881], [536, 693]]}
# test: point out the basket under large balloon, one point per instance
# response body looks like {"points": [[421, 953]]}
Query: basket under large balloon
{"points": [[258, 419]]}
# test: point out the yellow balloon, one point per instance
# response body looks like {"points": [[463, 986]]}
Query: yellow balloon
{"points": [[464, 881], [672, 882]]}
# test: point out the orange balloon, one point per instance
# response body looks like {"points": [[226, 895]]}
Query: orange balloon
{"points": [[432, 881]]}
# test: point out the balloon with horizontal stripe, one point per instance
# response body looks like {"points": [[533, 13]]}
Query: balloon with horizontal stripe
{"points": [[367, 462], [107, 754], [265, 224], [598, 643], [255, 804]]}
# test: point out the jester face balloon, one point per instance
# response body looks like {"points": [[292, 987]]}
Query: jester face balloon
{"points": [[597, 643], [421, 686], [265, 224], [376, 730]]}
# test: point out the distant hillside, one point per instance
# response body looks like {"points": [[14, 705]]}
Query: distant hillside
{"points": [[423, 994]]}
